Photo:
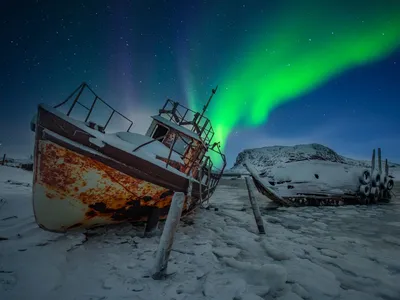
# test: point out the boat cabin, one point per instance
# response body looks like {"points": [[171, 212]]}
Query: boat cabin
{"points": [[185, 132]]}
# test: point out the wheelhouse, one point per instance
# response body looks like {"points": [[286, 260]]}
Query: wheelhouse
{"points": [[188, 134]]}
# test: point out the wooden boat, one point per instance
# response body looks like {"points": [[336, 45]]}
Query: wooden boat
{"points": [[371, 190], [86, 177]]}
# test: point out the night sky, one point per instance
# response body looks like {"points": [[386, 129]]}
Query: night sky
{"points": [[289, 72]]}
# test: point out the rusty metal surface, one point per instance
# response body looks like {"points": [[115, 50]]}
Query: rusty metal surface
{"points": [[191, 158], [104, 193], [131, 164], [78, 184]]}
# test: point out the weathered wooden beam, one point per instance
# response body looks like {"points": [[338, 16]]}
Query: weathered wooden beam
{"points": [[262, 187], [254, 206], [379, 161], [373, 162], [167, 237], [152, 221], [386, 168]]}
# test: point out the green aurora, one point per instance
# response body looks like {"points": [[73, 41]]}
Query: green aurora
{"points": [[294, 52]]}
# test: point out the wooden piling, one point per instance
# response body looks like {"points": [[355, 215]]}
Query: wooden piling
{"points": [[386, 167], [167, 237], [254, 206], [379, 161], [4, 159], [373, 162], [271, 194]]}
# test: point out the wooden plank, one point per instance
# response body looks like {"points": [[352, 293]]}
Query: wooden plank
{"points": [[379, 161], [373, 162], [167, 237], [264, 189], [254, 206], [386, 168]]}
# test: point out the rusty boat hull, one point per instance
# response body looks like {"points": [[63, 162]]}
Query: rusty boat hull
{"points": [[72, 190], [79, 184]]}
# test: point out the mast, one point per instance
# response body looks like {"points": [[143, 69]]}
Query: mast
{"points": [[208, 102]]}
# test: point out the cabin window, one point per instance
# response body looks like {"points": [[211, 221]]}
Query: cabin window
{"points": [[159, 132], [181, 145]]}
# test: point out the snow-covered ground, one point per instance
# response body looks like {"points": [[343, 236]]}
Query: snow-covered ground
{"points": [[348, 252]]}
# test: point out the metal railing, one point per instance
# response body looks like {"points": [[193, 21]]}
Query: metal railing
{"points": [[210, 174], [183, 116], [78, 92]]}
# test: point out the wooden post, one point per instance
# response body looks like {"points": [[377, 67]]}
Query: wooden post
{"points": [[4, 159], [152, 221], [373, 162], [167, 237], [379, 161], [190, 189], [271, 194], [386, 168], [254, 206]]}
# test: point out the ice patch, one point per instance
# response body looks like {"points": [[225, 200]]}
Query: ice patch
{"points": [[300, 291], [275, 253], [391, 240], [226, 252], [316, 280], [355, 295], [329, 253], [289, 296], [250, 297], [224, 287], [267, 275]]}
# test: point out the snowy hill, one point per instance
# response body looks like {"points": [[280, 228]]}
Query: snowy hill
{"points": [[265, 157]]}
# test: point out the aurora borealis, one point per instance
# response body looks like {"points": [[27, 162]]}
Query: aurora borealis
{"points": [[307, 45], [288, 71]]}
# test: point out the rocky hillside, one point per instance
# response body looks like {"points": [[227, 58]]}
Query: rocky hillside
{"points": [[265, 157]]}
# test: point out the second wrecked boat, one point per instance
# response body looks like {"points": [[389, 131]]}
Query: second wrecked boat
{"points": [[85, 177], [366, 187]]}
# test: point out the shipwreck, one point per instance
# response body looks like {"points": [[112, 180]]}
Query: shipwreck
{"points": [[85, 176], [372, 186]]}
